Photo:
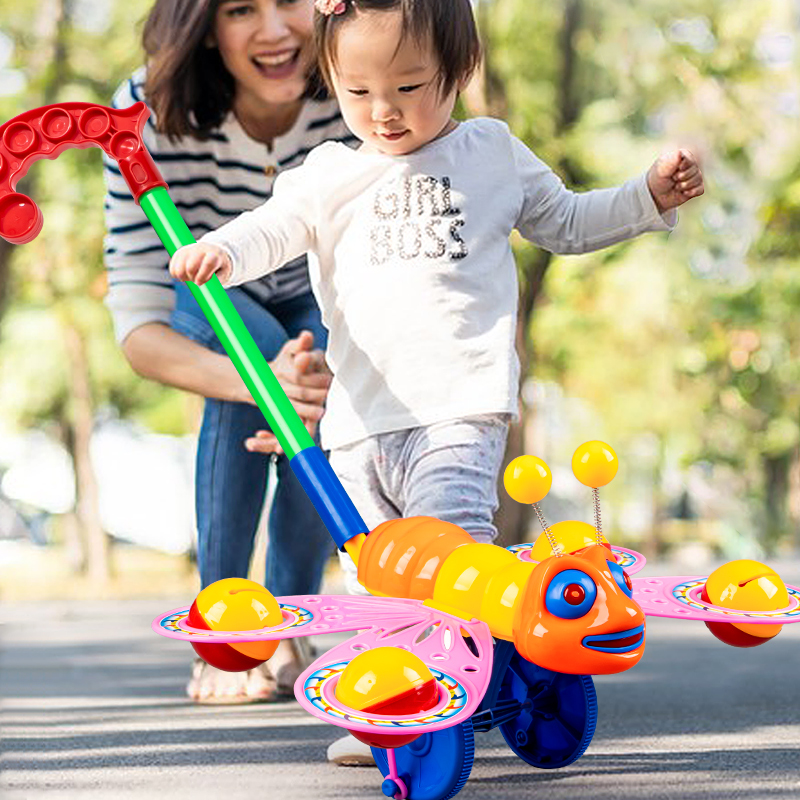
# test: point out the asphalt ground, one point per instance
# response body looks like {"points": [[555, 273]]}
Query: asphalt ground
{"points": [[93, 707]]}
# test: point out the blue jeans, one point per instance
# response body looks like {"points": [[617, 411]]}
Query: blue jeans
{"points": [[231, 482]]}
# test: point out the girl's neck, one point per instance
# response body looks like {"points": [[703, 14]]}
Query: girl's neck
{"points": [[264, 122]]}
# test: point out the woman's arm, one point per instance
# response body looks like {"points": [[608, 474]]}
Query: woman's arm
{"points": [[160, 353]]}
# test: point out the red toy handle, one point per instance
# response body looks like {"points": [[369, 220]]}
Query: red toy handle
{"points": [[46, 132]]}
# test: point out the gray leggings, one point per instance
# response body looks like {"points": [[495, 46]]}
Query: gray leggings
{"points": [[448, 470]]}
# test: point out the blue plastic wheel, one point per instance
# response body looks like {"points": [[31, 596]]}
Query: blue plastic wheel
{"points": [[558, 718], [435, 766]]}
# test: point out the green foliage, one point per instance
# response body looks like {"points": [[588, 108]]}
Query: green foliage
{"points": [[58, 280], [690, 338]]}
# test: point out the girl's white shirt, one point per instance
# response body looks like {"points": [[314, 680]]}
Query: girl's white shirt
{"points": [[411, 263]]}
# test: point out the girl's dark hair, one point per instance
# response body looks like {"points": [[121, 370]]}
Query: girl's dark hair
{"points": [[449, 23], [188, 87]]}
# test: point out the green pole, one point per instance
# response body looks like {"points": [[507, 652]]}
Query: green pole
{"points": [[21, 221], [215, 303]]}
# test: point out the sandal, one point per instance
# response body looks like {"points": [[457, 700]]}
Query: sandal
{"points": [[291, 659], [211, 686]]}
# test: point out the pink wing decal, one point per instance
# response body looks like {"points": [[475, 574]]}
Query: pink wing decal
{"points": [[458, 654], [303, 615], [679, 598], [629, 560]]}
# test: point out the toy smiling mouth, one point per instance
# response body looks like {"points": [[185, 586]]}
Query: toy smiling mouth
{"points": [[622, 642]]}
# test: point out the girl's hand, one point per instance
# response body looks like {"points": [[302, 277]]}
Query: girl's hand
{"points": [[674, 178], [199, 263]]}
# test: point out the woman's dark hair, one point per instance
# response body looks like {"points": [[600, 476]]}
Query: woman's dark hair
{"points": [[188, 87], [449, 23]]}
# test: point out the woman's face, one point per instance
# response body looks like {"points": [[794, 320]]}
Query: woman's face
{"points": [[266, 45]]}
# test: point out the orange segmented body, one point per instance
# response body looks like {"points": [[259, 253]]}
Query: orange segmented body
{"points": [[403, 557]]}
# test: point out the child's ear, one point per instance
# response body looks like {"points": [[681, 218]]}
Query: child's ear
{"points": [[210, 40]]}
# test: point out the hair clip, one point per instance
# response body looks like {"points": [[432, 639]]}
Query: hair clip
{"points": [[328, 7]]}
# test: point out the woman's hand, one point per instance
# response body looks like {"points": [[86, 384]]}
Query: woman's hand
{"points": [[199, 263], [305, 377], [264, 442], [158, 352]]}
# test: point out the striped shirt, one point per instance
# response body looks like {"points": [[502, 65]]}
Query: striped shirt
{"points": [[210, 182]]}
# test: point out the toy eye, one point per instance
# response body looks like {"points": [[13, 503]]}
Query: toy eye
{"points": [[574, 594], [621, 577], [570, 594]]}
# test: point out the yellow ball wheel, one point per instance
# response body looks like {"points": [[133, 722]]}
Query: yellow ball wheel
{"points": [[389, 681], [235, 604], [595, 464], [746, 585], [527, 479], [385, 677]]}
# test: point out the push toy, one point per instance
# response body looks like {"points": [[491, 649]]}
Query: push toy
{"points": [[459, 636]]}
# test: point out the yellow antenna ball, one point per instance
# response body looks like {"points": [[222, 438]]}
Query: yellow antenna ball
{"points": [[595, 464], [527, 479]]}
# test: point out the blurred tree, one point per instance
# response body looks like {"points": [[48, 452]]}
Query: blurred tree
{"points": [[741, 290], [528, 77], [598, 90], [58, 360], [691, 343]]}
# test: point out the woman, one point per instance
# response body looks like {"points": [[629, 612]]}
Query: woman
{"points": [[234, 101]]}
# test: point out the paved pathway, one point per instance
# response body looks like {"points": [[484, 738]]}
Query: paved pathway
{"points": [[92, 708]]}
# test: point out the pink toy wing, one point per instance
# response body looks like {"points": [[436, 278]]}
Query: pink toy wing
{"points": [[679, 598], [458, 654], [303, 615], [629, 560]]}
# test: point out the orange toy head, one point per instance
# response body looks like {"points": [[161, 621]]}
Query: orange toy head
{"points": [[577, 615], [235, 604], [388, 681]]}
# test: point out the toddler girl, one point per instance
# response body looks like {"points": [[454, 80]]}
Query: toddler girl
{"points": [[409, 256]]}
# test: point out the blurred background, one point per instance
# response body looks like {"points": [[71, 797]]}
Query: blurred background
{"points": [[681, 351]]}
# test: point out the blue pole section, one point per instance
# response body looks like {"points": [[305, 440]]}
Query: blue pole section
{"points": [[330, 499]]}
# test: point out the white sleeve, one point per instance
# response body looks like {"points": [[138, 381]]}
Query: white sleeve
{"points": [[264, 239], [563, 221]]}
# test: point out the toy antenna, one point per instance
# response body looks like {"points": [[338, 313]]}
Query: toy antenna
{"points": [[527, 480], [595, 465], [557, 549], [597, 524]]}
